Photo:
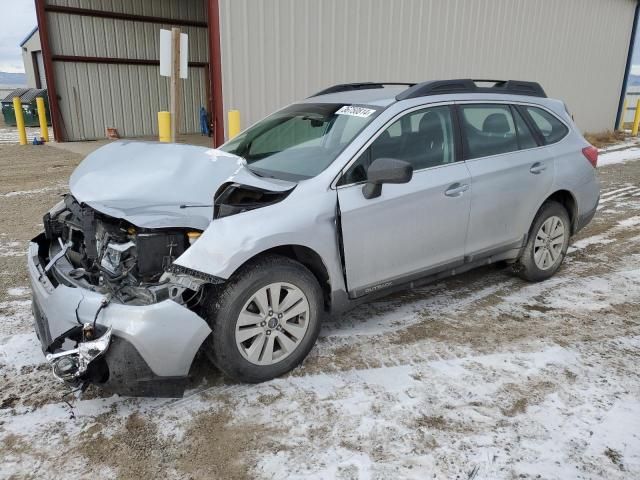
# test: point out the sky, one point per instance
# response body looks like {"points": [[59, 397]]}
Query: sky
{"points": [[17, 21]]}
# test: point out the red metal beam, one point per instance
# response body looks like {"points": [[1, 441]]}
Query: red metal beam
{"points": [[215, 73], [114, 60], [54, 106], [87, 12]]}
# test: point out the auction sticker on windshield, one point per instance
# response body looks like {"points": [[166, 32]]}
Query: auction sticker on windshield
{"points": [[355, 111]]}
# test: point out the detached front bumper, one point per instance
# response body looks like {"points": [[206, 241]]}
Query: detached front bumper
{"points": [[151, 347]]}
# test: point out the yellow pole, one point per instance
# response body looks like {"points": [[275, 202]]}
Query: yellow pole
{"points": [[42, 116], [17, 108], [234, 123], [636, 120], [164, 127]]}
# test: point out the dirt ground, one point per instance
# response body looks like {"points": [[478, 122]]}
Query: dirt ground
{"points": [[480, 376]]}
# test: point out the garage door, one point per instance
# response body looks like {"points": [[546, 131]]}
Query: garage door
{"points": [[105, 62]]}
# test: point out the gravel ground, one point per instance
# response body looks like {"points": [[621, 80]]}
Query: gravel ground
{"points": [[480, 376], [32, 178]]}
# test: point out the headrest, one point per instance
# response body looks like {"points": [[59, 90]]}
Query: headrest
{"points": [[496, 123]]}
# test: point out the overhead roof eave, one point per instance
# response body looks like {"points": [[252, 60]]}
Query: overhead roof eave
{"points": [[28, 37]]}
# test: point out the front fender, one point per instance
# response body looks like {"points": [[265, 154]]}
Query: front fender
{"points": [[302, 219]]}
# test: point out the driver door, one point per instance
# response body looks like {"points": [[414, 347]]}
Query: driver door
{"points": [[413, 229]]}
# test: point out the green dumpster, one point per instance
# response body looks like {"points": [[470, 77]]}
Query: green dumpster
{"points": [[28, 99]]}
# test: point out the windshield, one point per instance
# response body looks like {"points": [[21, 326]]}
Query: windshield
{"points": [[301, 140]]}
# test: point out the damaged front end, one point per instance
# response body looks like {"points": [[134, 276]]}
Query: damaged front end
{"points": [[116, 281], [112, 256], [72, 366], [110, 306]]}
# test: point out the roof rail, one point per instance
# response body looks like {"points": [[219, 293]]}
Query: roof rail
{"points": [[467, 85], [347, 87]]}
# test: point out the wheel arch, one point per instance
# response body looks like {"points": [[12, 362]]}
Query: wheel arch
{"points": [[568, 201], [307, 257]]}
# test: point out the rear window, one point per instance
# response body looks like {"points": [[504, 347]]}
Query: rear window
{"points": [[525, 137], [552, 129]]}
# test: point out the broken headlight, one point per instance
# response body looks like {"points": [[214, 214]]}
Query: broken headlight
{"points": [[72, 364], [232, 198]]}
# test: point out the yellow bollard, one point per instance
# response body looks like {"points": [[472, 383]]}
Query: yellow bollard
{"points": [[42, 116], [164, 126], [636, 120], [233, 123], [623, 114], [17, 108]]}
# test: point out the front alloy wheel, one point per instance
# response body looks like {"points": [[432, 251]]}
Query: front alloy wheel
{"points": [[272, 323], [264, 320]]}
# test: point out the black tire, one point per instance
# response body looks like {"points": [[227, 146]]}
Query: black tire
{"points": [[224, 306], [526, 266]]}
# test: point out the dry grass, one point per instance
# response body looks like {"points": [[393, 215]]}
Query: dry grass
{"points": [[604, 139]]}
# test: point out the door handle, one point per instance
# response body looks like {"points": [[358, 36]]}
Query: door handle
{"points": [[537, 168], [456, 189]]}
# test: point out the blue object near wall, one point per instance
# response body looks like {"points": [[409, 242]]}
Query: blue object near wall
{"points": [[204, 122]]}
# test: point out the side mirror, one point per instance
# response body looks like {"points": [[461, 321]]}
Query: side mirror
{"points": [[386, 170]]}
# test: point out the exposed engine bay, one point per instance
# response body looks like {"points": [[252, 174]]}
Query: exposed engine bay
{"points": [[111, 256]]}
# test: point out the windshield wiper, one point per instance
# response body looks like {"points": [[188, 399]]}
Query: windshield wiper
{"points": [[254, 172], [195, 206]]}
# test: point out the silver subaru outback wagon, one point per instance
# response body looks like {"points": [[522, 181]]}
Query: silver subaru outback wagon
{"points": [[163, 251]]}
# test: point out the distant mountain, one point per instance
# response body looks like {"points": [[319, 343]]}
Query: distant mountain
{"points": [[13, 79]]}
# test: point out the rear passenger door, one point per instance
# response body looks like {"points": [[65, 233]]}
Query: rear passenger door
{"points": [[511, 174]]}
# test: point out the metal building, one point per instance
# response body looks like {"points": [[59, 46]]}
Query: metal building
{"points": [[257, 56], [33, 60]]}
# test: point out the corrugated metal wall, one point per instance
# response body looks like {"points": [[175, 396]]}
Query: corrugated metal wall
{"points": [[276, 52], [127, 97]]}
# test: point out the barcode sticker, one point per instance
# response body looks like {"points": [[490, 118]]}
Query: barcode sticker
{"points": [[355, 111]]}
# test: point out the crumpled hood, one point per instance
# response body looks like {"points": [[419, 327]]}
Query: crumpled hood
{"points": [[145, 183]]}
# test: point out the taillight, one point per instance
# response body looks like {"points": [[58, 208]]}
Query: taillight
{"points": [[591, 153]]}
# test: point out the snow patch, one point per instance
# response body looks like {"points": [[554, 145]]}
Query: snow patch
{"points": [[618, 156], [391, 314], [12, 249], [607, 193], [592, 293], [585, 242], [35, 191], [629, 222], [619, 146], [18, 292], [21, 350]]}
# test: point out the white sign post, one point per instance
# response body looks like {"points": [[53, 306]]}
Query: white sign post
{"points": [[174, 63]]}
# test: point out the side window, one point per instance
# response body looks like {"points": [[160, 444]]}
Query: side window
{"points": [[489, 130], [552, 129], [424, 138], [525, 137]]}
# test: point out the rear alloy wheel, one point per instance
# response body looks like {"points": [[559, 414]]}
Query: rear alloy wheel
{"points": [[547, 243], [264, 320]]}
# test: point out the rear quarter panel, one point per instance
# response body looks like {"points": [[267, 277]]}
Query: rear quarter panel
{"points": [[575, 174]]}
